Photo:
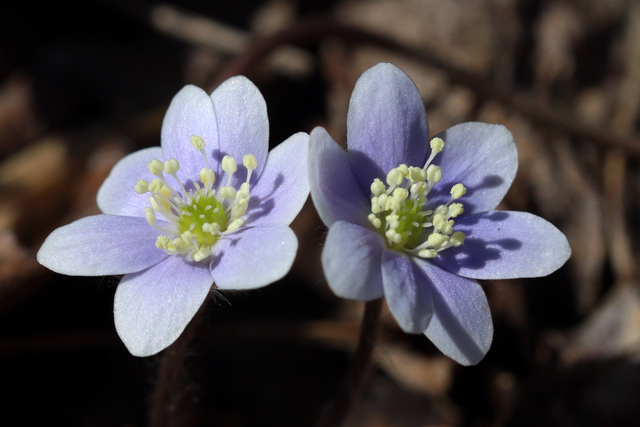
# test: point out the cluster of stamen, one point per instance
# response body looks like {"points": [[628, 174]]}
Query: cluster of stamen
{"points": [[197, 217], [398, 209]]}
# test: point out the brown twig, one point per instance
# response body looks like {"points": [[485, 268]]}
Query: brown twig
{"points": [[313, 31]]}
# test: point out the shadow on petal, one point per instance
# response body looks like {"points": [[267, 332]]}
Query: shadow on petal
{"points": [[365, 170], [475, 253], [262, 206], [456, 331], [442, 192]]}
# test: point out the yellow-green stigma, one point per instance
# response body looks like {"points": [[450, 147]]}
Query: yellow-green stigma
{"points": [[398, 209], [200, 216]]}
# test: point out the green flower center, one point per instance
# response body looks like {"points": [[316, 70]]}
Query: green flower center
{"points": [[197, 218], [398, 209]]}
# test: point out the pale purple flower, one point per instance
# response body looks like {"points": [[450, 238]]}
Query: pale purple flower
{"points": [[412, 219], [211, 205]]}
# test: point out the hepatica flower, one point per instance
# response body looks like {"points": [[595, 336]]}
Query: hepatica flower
{"points": [[209, 205], [412, 219]]}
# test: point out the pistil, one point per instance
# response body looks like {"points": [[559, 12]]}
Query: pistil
{"points": [[197, 217], [398, 209]]}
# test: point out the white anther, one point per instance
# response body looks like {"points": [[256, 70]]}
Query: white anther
{"points": [[187, 236], [207, 176], [244, 191], [177, 245], [428, 253], [141, 186], [235, 224], [394, 177], [239, 209], [382, 201], [375, 205], [154, 205], [211, 228], [249, 161], [437, 145], [150, 215], [374, 220], [417, 174], [439, 221], [155, 167], [156, 186], [229, 165], [228, 192], [197, 142], [437, 240], [400, 194], [201, 253], [434, 173], [171, 166], [394, 236], [455, 209], [457, 238], [393, 204], [417, 189], [458, 191], [377, 187], [162, 242], [441, 210]]}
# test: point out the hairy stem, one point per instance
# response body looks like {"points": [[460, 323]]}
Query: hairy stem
{"points": [[349, 394], [174, 393]]}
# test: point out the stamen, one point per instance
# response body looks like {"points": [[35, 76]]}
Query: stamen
{"points": [[199, 216], [399, 213], [155, 167], [437, 145], [458, 191]]}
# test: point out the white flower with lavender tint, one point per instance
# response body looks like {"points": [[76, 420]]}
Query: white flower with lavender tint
{"points": [[412, 219], [211, 205]]}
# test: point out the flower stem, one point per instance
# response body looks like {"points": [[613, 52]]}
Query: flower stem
{"points": [[349, 394], [173, 395]]}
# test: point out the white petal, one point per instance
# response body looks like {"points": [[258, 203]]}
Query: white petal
{"points": [[243, 126], [101, 245], [152, 308], [351, 260], [253, 257], [461, 325], [407, 292], [117, 195], [283, 187], [190, 113]]}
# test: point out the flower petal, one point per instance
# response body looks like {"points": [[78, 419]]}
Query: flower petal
{"points": [[190, 113], [116, 195], [461, 325], [407, 292], [481, 156], [243, 126], [351, 261], [101, 245], [283, 186], [152, 307], [253, 257], [506, 245], [386, 124], [335, 191]]}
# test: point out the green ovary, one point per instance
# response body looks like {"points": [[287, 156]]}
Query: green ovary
{"points": [[206, 210], [410, 225]]}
